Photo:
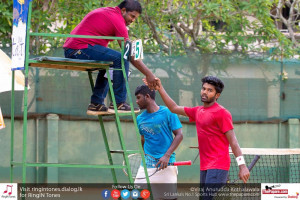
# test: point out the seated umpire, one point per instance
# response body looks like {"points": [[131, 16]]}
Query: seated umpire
{"points": [[107, 21]]}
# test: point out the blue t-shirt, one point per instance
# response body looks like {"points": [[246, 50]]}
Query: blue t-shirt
{"points": [[157, 130]]}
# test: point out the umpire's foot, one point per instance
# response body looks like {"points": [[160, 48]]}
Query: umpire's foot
{"points": [[122, 108], [97, 109]]}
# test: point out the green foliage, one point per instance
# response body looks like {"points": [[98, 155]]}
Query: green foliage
{"points": [[216, 26], [6, 21], [171, 27]]}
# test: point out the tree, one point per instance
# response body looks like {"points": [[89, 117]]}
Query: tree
{"points": [[6, 18], [179, 26], [192, 26], [201, 30], [291, 20]]}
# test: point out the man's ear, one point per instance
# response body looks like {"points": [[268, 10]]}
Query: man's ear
{"points": [[123, 10], [218, 95]]}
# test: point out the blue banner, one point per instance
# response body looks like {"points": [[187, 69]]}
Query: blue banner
{"points": [[20, 16]]}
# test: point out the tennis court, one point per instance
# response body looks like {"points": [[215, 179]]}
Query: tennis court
{"points": [[274, 165]]}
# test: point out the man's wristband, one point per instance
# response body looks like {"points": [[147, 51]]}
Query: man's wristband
{"points": [[240, 160]]}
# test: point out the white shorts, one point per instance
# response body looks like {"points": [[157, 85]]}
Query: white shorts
{"points": [[162, 190]]}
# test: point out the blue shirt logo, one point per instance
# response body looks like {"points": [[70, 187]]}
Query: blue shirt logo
{"points": [[125, 194], [135, 194], [105, 194]]}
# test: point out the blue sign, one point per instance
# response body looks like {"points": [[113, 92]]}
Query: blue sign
{"points": [[125, 194], [20, 16], [105, 194], [135, 194]]}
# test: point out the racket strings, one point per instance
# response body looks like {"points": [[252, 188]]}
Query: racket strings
{"points": [[135, 161]]}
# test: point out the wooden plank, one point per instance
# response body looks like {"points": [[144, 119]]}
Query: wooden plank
{"points": [[81, 67], [69, 60]]}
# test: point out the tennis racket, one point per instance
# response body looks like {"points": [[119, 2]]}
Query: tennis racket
{"points": [[194, 147], [250, 167], [135, 161], [233, 187]]}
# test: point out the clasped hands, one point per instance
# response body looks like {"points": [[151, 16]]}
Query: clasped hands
{"points": [[153, 84]]}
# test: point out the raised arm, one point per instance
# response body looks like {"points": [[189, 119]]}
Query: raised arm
{"points": [[244, 173], [174, 108]]}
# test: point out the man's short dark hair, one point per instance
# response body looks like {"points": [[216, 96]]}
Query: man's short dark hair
{"points": [[219, 85], [131, 5], [144, 90]]}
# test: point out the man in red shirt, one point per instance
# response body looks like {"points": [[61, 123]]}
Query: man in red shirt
{"points": [[215, 133], [107, 21]]}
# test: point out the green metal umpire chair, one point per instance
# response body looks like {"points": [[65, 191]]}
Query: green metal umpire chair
{"points": [[79, 65]]}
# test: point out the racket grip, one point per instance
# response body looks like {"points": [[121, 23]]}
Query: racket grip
{"points": [[254, 161], [182, 163]]}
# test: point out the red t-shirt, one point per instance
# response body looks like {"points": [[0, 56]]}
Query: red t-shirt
{"points": [[105, 21], [212, 123]]}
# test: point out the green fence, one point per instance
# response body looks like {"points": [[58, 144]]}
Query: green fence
{"points": [[259, 100], [254, 89]]}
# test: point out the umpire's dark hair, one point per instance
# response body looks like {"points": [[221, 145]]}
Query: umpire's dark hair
{"points": [[131, 5], [144, 90], [219, 85]]}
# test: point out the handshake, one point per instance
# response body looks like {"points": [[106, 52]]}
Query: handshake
{"points": [[154, 85]]}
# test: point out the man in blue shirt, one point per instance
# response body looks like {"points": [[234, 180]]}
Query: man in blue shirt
{"points": [[157, 125]]}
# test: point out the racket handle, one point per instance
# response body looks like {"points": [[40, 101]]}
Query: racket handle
{"points": [[254, 161], [179, 163]]}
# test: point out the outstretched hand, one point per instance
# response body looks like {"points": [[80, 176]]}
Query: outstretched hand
{"points": [[151, 82]]}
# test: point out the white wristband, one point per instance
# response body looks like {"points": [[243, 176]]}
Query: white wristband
{"points": [[240, 160]]}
